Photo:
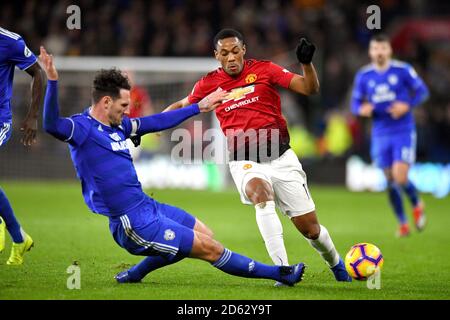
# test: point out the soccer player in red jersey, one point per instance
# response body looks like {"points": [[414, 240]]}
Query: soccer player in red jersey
{"points": [[140, 106], [267, 173]]}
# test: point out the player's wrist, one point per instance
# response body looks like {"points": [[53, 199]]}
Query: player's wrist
{"points": [[196, 108], [204, 104]]}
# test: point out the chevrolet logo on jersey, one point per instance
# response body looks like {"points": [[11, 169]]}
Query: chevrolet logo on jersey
{"points": [[239, 93]]}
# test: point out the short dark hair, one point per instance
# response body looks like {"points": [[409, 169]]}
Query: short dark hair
{"points": [[380, 37], [227, 33], [108, 82]]}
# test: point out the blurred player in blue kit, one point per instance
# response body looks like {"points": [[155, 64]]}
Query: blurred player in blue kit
{"points": [[14, 52], [139, 224], [387, 91]]}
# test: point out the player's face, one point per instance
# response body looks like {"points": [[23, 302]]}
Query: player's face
{"points": [[380, 51], [118, 107], [230, 53]]}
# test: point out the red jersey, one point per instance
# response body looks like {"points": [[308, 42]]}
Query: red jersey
{"points": [[139, 97], [254, 102]]}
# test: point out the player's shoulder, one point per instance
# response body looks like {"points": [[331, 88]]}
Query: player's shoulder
{"points": [[82, 115], [212, 74], [365, 70], [83, 119], [257, 63], [210, 80], [403, 68], [7, 35], [12, 44], [397, 64]]}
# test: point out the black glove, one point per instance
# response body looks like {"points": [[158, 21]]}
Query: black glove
{"points": [[136, 140], [305, 51]]}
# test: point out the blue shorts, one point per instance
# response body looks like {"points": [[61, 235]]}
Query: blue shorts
{"points": [[5, 132], [399, 147], [154, 229]]}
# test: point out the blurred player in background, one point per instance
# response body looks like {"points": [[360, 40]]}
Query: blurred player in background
{"points": [[14, 52], [140, 101], [140, 106], [387, 91], [138, 223], [273, 176]]}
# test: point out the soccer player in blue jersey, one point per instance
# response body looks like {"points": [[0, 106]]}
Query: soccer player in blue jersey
{"points": [[14, 52], [138, 223], [387, 91]]}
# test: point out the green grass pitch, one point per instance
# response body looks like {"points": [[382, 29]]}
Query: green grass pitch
{"points": [[65, 231]]}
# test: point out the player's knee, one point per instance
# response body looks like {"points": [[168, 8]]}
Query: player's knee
{"points": [[400, 173], [401, 179], [312, 232], [258, 191], [209, 232], [201, 227], [308, 225], [315, 232]]}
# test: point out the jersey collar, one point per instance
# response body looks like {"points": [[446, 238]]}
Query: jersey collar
{"points": [[87, 112], [380, 72], [244, 67]]}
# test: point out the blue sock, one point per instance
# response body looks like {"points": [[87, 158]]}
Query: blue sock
{"points": [[7, 214], [242, 266], [395, 198], [139, 271], [411, 192]]}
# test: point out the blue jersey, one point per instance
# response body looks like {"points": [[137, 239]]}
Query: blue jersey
{"points": [[13, 52], [399, 82], [104, 165], [100, 153]]}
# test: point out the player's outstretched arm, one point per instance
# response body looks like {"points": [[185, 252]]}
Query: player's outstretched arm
{"points": [[308, 83], [29, 124], [172, 118], [61, 128]]}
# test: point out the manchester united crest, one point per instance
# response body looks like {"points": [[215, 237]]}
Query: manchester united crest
{"points": [[250, 78]]}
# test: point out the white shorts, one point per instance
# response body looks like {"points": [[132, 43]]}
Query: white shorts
{"points": [[285, 175]]}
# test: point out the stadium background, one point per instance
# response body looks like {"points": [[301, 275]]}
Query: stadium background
{"points": [[323, 132]]}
